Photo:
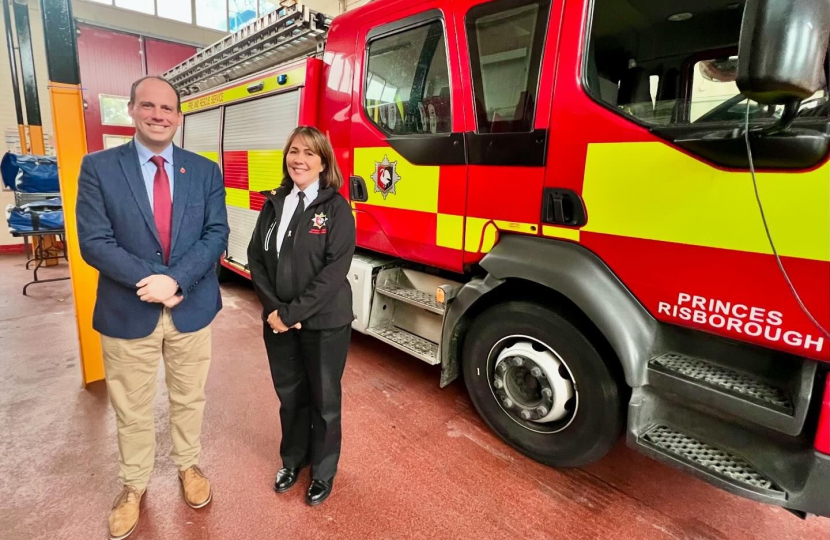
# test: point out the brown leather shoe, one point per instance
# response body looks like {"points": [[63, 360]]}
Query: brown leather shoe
{"points": [[196, 487], [124, 515]]}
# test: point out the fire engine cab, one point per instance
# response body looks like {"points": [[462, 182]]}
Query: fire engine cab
{"points": [[607, 216]]}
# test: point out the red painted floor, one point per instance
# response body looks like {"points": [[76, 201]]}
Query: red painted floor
{"points": [[417, 461]]}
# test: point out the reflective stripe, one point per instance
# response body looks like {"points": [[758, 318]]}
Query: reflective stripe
{"points": [[264, 169], [295, 77], [268, 236], [479, 235], [654, 192], [482, 234], [213, 156], [417, 188], [450, 231], [237, 197], [561, 232]]}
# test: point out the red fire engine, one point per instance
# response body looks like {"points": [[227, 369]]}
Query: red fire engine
{"points": [[555, 200]]}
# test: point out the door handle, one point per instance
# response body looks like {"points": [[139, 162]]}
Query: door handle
{"points": [[562, 207], [357, 189]]}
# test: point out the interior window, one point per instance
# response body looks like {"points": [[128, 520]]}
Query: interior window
{"points": [[407, 86], [715, 96], [506, 40], [673, 63], [713, 84]]}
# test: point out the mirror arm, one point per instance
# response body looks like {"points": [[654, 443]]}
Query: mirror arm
{"points": [[787, 118]]}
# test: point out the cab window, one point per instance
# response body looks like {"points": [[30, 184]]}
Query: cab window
{"points": [[506, 39], [673, 63], [407, 84], [715, 96]]}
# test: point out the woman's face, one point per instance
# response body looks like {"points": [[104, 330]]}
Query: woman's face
{"points": [[304, 166]]}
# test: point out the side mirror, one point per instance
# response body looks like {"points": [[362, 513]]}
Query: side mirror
{"points": [[782, 49]]}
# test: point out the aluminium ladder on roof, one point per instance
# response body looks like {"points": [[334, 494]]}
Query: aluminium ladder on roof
{"points": [[280, 36]]}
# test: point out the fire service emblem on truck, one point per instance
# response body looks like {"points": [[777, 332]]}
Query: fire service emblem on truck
{"points": [[385, 177]]}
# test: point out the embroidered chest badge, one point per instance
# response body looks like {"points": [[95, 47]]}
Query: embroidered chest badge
{"points": [[318, 223]]}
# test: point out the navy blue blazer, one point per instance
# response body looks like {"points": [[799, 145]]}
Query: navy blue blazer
{"points": [[118, 237]]}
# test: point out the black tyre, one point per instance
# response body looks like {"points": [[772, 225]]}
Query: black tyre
{"points": [[541, 386]]}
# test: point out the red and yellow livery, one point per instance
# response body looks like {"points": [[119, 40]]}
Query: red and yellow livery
{"points": [[555, 198]]}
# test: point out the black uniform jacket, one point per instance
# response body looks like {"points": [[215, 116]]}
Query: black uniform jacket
{"points": [[323, 247]]}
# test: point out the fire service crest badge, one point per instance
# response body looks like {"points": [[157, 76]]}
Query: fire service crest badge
{"points": [[385, 177]]}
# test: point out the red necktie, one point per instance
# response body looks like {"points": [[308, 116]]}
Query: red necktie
{"points": [[162, 205]]}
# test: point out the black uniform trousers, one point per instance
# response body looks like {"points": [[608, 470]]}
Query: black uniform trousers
{"points": [[306, 367]]}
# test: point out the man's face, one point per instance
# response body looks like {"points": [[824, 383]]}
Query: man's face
{"points": [[155, 114]]}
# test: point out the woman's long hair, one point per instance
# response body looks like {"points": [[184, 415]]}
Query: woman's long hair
{"points": [[320, 145]]}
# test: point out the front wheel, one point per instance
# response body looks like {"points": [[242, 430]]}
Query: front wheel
{"points": [[541, 385]]}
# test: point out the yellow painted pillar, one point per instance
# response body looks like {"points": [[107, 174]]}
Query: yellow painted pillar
{"points": [[70, 146], [36, 138], [21, 131]]}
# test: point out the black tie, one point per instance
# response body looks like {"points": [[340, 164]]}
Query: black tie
{"points": [[285, 264]]}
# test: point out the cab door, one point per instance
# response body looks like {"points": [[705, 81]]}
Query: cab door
{"points": [[407, 135], [508, 61]]}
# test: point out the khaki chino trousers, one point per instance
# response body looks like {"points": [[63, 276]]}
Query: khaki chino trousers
{"points": [[131, 367]]}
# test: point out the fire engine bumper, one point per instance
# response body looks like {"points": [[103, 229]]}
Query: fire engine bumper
{"points": [[815, 497]]}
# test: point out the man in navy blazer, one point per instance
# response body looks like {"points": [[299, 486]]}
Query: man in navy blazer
{"points": [[152, 220]]}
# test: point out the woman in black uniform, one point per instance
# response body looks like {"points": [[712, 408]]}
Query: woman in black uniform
{"points": [[299, 257]]}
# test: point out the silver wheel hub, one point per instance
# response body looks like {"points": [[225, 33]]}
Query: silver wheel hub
{"points": [[532, 385]]}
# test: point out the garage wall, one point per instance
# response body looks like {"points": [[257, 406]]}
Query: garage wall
{"points": [[99, 15], [110, 61], [139, 23], [351, 4], [83, 11]]}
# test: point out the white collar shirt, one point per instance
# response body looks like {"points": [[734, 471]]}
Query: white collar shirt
{"points": [[290, 205]]}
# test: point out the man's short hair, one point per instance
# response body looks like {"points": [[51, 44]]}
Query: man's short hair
{"points": [[156, 77]]}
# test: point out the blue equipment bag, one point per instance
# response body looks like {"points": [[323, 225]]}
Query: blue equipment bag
{"points": [[30, 174], [36, 216]]}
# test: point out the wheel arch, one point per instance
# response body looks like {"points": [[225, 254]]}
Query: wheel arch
{"points": [[579, 285]]}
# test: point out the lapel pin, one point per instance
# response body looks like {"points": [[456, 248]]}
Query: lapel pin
{"points": [[273, 192], [182, 170]]}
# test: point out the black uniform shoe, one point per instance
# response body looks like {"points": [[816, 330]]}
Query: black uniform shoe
{"points": [[318, 491], [287, 477]]}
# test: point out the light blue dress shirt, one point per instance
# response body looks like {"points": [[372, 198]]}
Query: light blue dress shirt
{"points": [[148, 168]]}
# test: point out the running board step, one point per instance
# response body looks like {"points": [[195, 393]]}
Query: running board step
{"points": [[691, 452], [411, 296], [737, 457], [724, 379], [401, 339], [778, 405]]}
